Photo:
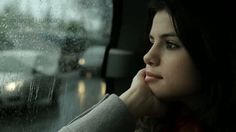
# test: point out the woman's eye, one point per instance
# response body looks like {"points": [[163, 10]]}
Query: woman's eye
{"points": [[171, 45]]}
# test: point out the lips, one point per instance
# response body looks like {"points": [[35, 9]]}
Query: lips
{"points": [[150, 77]]}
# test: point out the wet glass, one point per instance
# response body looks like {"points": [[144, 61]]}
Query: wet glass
{"points": [[51, 53]]}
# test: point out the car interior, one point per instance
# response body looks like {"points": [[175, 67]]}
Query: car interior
{"points": [[65, 31]]}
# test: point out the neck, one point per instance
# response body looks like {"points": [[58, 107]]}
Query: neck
{"points": [[189, 106]]}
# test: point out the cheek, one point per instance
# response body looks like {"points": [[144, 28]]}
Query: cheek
{"points": [[182, 83], [180, 78]]}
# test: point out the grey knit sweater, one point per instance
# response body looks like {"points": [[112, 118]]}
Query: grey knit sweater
{"points": [[109, 115]]}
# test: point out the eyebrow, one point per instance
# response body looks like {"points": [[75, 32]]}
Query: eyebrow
{"points": [[171, 34]]}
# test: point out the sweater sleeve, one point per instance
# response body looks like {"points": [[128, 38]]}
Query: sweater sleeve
{"points": [[109, 115]]}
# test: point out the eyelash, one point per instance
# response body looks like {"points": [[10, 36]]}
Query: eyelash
{"points": [[169, 45]]}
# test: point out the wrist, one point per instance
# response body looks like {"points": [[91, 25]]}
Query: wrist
{"points": [[133, 103]]}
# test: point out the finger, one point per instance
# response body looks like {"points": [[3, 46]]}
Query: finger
{"points": [[142, 73]]}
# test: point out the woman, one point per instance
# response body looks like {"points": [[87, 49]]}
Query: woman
{"points": [[187, 81]]}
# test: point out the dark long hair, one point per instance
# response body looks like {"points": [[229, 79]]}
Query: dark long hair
{"points": [[204, 28]]}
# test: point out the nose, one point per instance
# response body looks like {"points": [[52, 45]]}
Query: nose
{"points": [[153, 56]]}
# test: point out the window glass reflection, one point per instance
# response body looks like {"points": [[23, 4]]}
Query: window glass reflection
{"points": [[49, 70]]}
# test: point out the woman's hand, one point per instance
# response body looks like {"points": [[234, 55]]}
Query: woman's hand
{"points": [[140, 100]]}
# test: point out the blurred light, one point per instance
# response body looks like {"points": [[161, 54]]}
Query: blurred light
{"points": [[81, 88], [81, 92], [81, 61], [10, 87], [103, 88]]}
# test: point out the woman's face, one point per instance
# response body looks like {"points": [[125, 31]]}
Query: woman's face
{"points": [[170, 72]]}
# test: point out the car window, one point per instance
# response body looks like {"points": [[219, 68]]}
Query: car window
{"points": [[51, 54]]}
